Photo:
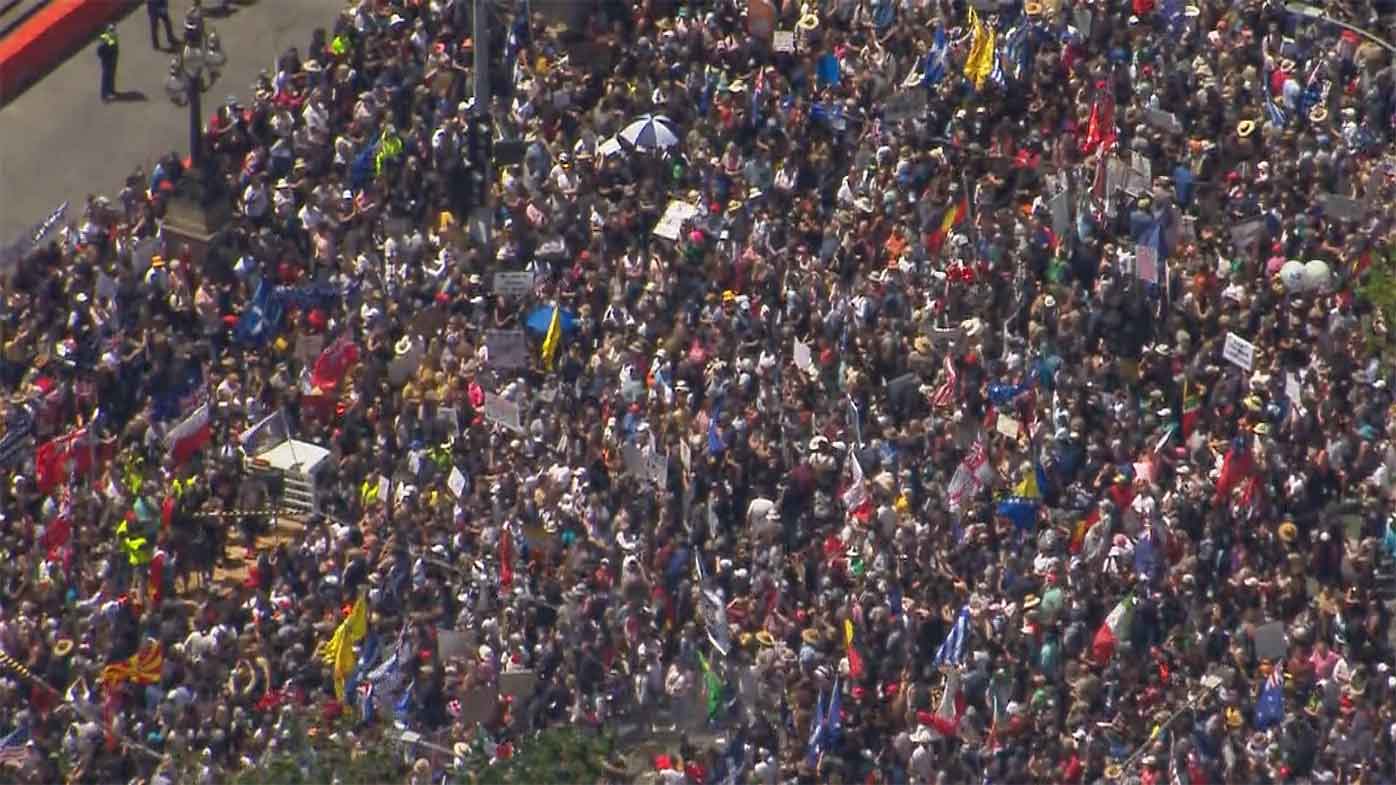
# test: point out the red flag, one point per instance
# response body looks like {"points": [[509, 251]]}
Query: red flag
{"points": [[54, 458], [1083, 527], [506, 559], [1100, 131], [190, 435], [333, 363], [1236, 467], [856, 668], [155, 582], [953, 216]]}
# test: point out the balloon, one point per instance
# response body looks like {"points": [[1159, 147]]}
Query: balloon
{"points": [[1316, 275], [1292, 275]]}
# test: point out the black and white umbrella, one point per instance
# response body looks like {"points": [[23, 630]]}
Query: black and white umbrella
{"points": [[650, 132]]}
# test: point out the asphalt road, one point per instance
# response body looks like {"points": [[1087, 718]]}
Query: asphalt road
{"points": [[59, 141]]}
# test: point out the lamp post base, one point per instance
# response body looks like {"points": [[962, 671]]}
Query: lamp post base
{"points": [[193, 217]]}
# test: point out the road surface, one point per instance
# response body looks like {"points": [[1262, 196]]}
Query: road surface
{"points": [[59, 141]]}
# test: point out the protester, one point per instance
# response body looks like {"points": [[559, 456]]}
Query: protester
{"points": [[1007, 404]]}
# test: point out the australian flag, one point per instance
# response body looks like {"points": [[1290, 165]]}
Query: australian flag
{"points": [[952, 649], [1270, 707], [937, 60]]}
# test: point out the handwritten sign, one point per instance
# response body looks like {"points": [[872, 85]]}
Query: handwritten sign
{"points": [[308, 348], [456, 482], [1238, 351], [783, 41], [1008, 426], [506, 349], [513, 284], [804, 359], [657, 469], [671, 222], [503, 412]]}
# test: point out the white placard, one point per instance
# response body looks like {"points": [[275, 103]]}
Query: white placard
{"points": [[1060, 208], [1146, 263], [1116, 175], [804, 360], [1007, 426], [514, 284], [671, 222], [1166, 121], [506, 349], [1239, 351], [456, 482], [783, 41], [1084, 18], [1292, 389], [385, 488], [657, 469], [1141, 164], [503, 412]]}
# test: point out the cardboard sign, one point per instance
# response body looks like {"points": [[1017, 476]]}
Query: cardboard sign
{"points": [[456, 482], [1060, 208], [1270, 641], [506, 349], [1238, 351], [519, 684], [1164, 121], [1292, 389], [1245, 235], [904, 106], [783, 41], [503, 412], [1146, 263], [513, 284], [1007, 426], [454, 644], [671, 222], [1342, 207], [804, 359], [308, 348]]}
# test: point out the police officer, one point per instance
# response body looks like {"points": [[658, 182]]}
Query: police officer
{"points": [[107, 52], [159, 11]]}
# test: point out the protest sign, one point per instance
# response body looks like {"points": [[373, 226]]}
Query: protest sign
{"points": [[1164, 121], [513, 284], [783, 41], [904, 106], [1342, 207], [518, 684], [657, 469], [506, 349], [1245, 235], [308, 348], [671, 222], [1239, 351], [450, 416], [1008, 426], [1146, 263], [1270, 641], [1292, 389], [503, 412], [1060, 208], [804, 360], [454, 643]]}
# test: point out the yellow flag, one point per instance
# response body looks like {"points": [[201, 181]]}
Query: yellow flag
{"points": [[552, 339], [847, 632], [980, 62], [340, 651]]}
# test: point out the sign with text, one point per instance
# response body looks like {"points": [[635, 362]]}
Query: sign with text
{"points": [[671, 222], [503, 412], [513, 284], [506, 349], [1238, 351]]}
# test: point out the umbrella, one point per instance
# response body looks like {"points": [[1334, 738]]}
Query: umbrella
{"points": [[651, 131], [540, 318]]}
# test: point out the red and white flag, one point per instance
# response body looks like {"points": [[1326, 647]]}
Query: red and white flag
{"points": [[969, 476], [945, 394], [855, 496], [190, 435]]}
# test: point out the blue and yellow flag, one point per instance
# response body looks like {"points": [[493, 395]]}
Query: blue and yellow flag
{"points": [[552, 339]]}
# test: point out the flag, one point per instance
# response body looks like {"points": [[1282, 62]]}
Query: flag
{"points": [[855, 496], [1274, 113], [1115, 629], [368, 652], [952, 649], [190, 435], [1001, 394], [855, 660], [506, 559], [14, 747], [937, 60], [833, 719], [1017, 51], [339, 652], [1270, 706], [1100, 130], [552, 339], [968, 477], [333, 363], [945, 395], [54, 458], [1022, 512], [1236, 468], [143, 667], [260, 321], [1192, 407], [715, 445], [266, 433], [1146, 255], [946, 720], [1146, 553], [816, 734], [712, 687], [980, 61], [954, 215]]}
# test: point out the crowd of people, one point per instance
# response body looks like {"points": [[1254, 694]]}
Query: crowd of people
{"points": [[1008, 404]]}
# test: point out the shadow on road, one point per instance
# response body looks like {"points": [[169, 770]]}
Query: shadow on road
{"points": [[128, 96]]}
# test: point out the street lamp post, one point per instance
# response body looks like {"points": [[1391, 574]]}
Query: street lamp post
{"points": [[195, 213]]}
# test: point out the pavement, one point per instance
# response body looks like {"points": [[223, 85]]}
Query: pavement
{"points": [[59, 141]]}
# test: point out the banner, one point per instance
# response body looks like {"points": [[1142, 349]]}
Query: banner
{"points": [[506, 349], [503, 412], [513, 284]]}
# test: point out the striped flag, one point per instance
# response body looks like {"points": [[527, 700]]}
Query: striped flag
{"points": [[952, 649], [945, 395], [1274, 113], [937, 60], [143, 667], [13, 749]]}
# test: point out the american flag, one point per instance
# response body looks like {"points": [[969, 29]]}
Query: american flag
{"points": [[13, 749], [945, 395]]}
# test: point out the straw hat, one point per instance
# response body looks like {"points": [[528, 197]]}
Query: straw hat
{"points": [[63, 647], [1288, 531], [807, 22], [1318, 114], [1031, 601], [1245, 128], [403, 345], [766, 639], [1032, 9], [810, 636]]}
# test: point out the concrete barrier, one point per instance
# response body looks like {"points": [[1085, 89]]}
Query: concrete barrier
{"points": [[49, 36]]}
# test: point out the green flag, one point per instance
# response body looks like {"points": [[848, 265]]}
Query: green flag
{"points": [[712, 685]]}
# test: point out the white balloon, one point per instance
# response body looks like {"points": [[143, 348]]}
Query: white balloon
{"points": [[1292, 275], [1316, 275]]}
